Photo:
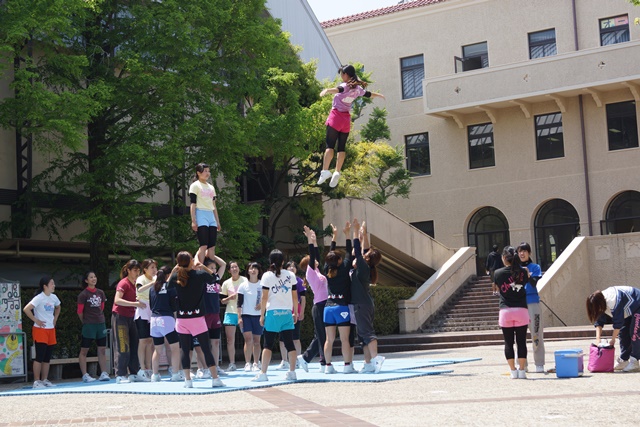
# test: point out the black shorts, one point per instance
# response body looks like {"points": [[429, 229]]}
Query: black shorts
{"points": [[207, 236], [144, 328]]}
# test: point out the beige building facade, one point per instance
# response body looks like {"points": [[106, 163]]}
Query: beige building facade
{"points": [[518, 117]]}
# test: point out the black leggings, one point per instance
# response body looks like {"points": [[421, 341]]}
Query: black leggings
{"points": [[286, 336], [334, 135], [207, 236], [43, 352], [186, 341], [520, 334]]}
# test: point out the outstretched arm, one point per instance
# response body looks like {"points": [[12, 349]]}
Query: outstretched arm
{"points": [[331, 91]]}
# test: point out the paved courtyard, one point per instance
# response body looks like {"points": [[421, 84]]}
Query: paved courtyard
{"points": [[476, 393]]}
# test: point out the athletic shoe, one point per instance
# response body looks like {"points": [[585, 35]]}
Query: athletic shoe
{"points": [[122, 380], [283, 366], [514, 374], [367, 368], [188, 384], [200, 373], [143, 377], [348, 369], [182, 377], [329, 369], [86, 378], [377, 363], [539, 369], [255, 367], [104, 377], [48, 383], [231, 367], [522, 375], [156, 378], [176, 378], [217, 382], [259, 364], [221, 372], [322, 368], [139, 378], [261, 377], [324, 175], [38, 384], [206, 374], [302, 363], [334, 179], [621, 364], [149, 372], [247, 367], [170, 370], [633, 366], [291, 376]]}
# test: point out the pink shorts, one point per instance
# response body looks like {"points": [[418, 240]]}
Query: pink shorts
{"points": [[513, 317], [194, 326], [339, 121]]}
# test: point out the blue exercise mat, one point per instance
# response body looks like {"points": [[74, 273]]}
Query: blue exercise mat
{"points": [[393, 369]]}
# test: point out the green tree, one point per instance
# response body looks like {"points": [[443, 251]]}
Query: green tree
{"points": [[376, 128]]}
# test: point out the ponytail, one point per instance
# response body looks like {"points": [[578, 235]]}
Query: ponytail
{"points": [[333, 261], [184, 263], [44, 281], [373, 258], [276, 260], [353, 81], [124, 271], [161, 278], [518, 274]]}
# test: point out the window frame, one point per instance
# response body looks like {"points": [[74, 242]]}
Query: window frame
{"points": [[614, 29], [537, 44], [538, 128], [411, 68], [470, 148], [408, 145], [464, 60], [633, 132]]}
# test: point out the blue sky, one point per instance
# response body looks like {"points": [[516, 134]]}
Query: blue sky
{"points": [[331, 9]]}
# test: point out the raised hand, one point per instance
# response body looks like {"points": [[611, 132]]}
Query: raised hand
{"points": [[334, 231], [347, 229]]}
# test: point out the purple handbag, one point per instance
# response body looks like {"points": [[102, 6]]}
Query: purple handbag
{"points": [[601, 359]]}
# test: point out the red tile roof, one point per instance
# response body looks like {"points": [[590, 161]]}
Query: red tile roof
{"points": [[378, 12]]}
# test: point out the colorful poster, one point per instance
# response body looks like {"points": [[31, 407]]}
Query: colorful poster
{"points": [[12, 355], [10, 308]]}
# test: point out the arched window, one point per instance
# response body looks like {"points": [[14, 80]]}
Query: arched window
{"points": [[487, 227], [623, 214], [557, 224]]}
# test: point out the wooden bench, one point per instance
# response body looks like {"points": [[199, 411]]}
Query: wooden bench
{"points": [[56, 365]]}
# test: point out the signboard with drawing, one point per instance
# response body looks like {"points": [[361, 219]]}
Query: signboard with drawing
{"points": [[12, 338]]}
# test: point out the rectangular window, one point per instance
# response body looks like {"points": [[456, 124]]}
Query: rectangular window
{"points": [[549, 136], [542, 43], [614, 30], [417, 151], [481, 153], [412, 69], [474, 56], [426, 227], [622, 124]]}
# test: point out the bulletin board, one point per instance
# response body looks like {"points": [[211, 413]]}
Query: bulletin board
{"points": [[12, 337]]}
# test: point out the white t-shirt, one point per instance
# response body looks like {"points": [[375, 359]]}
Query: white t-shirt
{"points": [[252, 297], [43, 309], [205, 195], [280, 289]]}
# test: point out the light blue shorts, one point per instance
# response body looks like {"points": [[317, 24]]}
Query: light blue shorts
{"points": [[278, 320], [205, 218], [230, 319]]}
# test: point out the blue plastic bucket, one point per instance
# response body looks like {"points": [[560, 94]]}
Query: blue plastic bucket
{"points": [[569, 363]]}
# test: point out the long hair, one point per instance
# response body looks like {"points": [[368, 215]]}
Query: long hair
{"points": [[200, 167], [596, 306], [332, 260], [304, 263], [518, 274], [146, 264], [44, 281], [184, 260], [373, 258], [257, 266], [132, 264], [85, 277], [276, 260], [161, 278], [353, 81]]}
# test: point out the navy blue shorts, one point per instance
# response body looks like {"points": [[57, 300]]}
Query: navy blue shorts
{"points": [[251, 324]]}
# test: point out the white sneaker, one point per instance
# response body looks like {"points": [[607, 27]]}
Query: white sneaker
{"points": [[38, 384], [522, 375], [139, 378], [217, 382], [231, 367], [302, 363], [514, 374], [259, 364], [322, 368], [329, 369], [156, 378], [255, 367], [247, 367], [86, 378], [48, 383], [142, 376], [283, 366], [170, 370], [334, 179], [122, 380], [620, 365], [377, 363], [633, 366], [200, 373], [348, 369], [104, 377], [221, 372], [188, 383], [207, 374], [324, 175], [260, 378], [367, 368], [176, 377], [539, 369], [291, 376], [182, 377]]}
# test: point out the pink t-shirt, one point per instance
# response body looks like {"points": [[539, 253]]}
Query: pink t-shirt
{"points": [[318, 283], [342, 101]]}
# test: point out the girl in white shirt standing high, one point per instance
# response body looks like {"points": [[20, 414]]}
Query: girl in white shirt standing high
{"points": [[204, 215]]}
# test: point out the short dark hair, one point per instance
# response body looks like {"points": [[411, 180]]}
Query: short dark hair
{"points": [[495, 248], [524, 246]]}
